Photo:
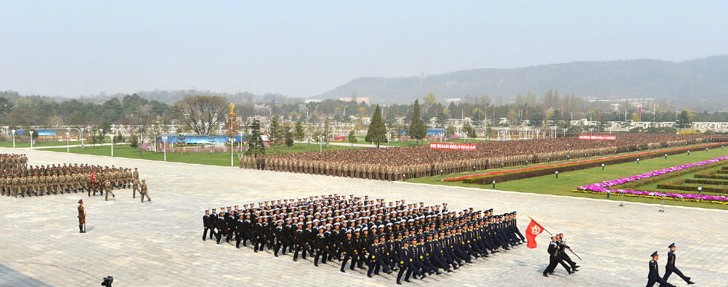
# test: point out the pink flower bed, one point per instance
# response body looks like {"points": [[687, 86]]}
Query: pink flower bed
{"points": [[604, 187]]}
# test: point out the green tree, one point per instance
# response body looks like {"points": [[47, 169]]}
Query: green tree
{"points": [[119, 138], [134, 141], [468, 128], [288, 135], [377, 132], [684, 120], [255, 142], [300, 132], [417, 129], [276, 133], [449, 131], [352, 138]]}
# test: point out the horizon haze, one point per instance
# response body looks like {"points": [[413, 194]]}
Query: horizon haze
{"points": [[305, 49]]}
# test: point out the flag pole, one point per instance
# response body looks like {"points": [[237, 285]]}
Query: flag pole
{"points": [[577, 255], [544, 228]]}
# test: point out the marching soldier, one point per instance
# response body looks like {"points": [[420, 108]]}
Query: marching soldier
{"points": [[134, 187], [206, 225], [144, 191], [107, 187], [654, 275], [671, 268]]}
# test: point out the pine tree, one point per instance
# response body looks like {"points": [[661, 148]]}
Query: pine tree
{"points": [[288, 136], [683, 120], [417, 129], [300, 132], [255, 143], [468, 128], [377, 132], [275, 135], [352, 138]]}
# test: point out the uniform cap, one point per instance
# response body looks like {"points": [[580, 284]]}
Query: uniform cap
{"points": [[654, 254], [671, 245]]}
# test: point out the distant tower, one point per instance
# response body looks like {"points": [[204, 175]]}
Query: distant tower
{"points": [[232, 123]]}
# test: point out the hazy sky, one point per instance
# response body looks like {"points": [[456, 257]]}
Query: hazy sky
{"points": [[304, 48]]}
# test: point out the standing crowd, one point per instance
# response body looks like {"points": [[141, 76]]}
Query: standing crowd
{"points": [[401, 163], [412, 239]]}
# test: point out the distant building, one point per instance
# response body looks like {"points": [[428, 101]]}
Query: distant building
{"points": [[358, 100]]}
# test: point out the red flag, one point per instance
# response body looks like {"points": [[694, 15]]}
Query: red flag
{"points": [[93, 176], [533, 230]]}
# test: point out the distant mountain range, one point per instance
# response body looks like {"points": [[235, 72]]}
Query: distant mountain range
{"points": [[700, 83]]}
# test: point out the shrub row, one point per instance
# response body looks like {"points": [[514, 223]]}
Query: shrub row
{"points": [[711, 175], [516, 175], [659, 178], [672, 186], [707, 181]]}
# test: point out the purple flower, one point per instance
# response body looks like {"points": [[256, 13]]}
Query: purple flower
{"points": [[601, 187]]}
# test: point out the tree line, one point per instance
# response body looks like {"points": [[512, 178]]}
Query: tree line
{"points": [[202, 113]]}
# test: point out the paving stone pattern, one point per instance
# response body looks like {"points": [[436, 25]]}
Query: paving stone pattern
{"points": [[159, 243]]}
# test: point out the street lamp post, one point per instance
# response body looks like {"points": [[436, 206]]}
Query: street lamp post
{"points": [[102, 136], [111, 136], [80, 137], [68, 147], [31, 139], [13, 131], [164, 147], [232, 148]]}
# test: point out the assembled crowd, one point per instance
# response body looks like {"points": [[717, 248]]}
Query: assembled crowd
{"points": [[12, 161], [412, 162], [28, 180], [413, 239]]}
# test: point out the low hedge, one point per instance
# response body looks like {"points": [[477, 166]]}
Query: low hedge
{"points": [[707, 181], [713, 176], [549, 170], [672, 186], [662, 177]]}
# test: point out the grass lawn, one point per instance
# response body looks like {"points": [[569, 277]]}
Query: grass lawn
{"points": [[653, 186], [209, 158], [568, 181], [26, 143]]}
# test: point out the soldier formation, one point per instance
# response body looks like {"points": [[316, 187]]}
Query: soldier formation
{"points": [[413, 239], [17, 178], [412, 162]]}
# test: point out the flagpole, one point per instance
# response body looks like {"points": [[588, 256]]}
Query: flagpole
{"points": [[547, 231], [544, 228]]}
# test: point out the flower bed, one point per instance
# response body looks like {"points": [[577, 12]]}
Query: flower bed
{"points": [[541, 170], [606, 186]]}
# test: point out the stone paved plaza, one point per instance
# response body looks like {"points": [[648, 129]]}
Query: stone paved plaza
{"points": [[159, 243]]}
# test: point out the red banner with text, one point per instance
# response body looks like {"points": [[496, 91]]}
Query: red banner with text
{"points": [[452, 146], [598, 137]]}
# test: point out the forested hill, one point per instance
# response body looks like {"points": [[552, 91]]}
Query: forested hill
{"points": [[700, 82]]}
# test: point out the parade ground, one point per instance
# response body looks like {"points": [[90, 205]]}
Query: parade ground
{"points": [[158, 243]]}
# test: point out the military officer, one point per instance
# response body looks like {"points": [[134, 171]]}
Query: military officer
{"points": [[671, 268], [144, 191], [654, 275]]}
